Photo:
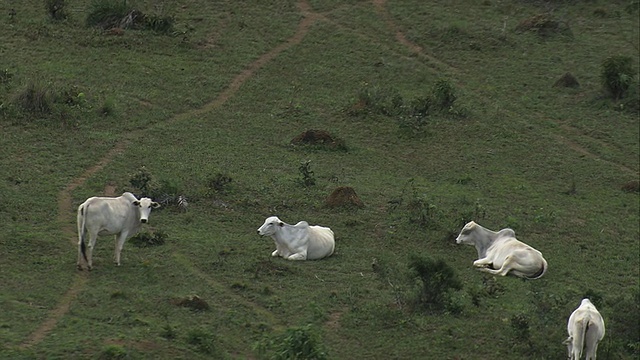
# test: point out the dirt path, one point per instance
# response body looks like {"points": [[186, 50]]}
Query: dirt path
{"points": [[65, 205]]}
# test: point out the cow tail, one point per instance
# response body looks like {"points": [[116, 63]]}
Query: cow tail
{"points": [[579, 341], [81, 231]]}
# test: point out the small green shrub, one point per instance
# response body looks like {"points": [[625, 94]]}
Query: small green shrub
{"points": [[142, 180], [108, 107], [617, 75], [296, 343], [443, 94], [437, 280], [56, 9], [5, 76], [424, 213], [306, 174]]}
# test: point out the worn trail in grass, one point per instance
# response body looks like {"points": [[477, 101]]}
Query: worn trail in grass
{"points": [[65, 205]]}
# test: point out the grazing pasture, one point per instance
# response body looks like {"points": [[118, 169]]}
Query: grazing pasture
{"points": [[445, 112]]}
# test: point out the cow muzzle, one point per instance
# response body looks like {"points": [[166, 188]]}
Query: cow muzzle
{"points": [[144, 221]]}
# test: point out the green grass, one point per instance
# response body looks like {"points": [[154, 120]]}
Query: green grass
{"points": [[548, 162]]}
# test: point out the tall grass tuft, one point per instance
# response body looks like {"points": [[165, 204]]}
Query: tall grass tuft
{"points": [[35, 98]]}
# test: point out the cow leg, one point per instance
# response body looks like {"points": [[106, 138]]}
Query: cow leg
{"points": [[120, 239], [92, 243], [483, 263], [80, 257], [504, 269], [298, 256]]}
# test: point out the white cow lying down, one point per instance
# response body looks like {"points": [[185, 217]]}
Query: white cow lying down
{"points": [[500, 253], [120, 216], [586, 329], [300, 241]]}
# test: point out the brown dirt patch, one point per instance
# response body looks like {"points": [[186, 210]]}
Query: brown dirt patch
{"points": [[344, 197]]}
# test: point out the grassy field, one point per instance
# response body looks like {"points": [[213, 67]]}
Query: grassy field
{"points": [[208, 110]]}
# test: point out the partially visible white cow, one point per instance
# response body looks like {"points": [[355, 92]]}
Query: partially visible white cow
{"points": [[586, 329], [299, 241], [500, 253], [120, 216]]}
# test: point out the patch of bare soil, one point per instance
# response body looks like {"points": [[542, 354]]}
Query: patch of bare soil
{"points": [[344, 197]]}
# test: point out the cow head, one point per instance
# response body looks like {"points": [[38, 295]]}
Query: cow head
{"points": [[270, 226], [145, 205], [463, 237]]}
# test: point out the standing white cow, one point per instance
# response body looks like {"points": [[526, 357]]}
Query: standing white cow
{"points": [[586, 329], [120, 216], [299, 241], [500, 253]]}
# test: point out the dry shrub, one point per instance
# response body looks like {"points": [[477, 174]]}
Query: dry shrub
{"points": [[345, 197]]}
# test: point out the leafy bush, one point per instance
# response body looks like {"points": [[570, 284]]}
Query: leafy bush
{"points": [[306, 174], [617, 75], [521, 329], [142, 180], [56, 9], [295, 343], [438, 280]]}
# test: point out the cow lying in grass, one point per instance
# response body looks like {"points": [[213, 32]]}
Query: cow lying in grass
{"points": [[586, 329], [120, 216], [500, 253], [300, 241]]}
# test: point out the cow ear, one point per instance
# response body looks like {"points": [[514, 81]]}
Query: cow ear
{"points": [[136, 203], [155, 205], [281, 224]]}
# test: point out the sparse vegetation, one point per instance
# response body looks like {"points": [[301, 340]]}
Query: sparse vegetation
{"points": [[447, 113]]}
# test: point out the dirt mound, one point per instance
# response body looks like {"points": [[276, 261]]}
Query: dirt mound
{"points": [[344, 196], [193, 302], [318, 138], [543, 25], [567, 80], [631, 187]]}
